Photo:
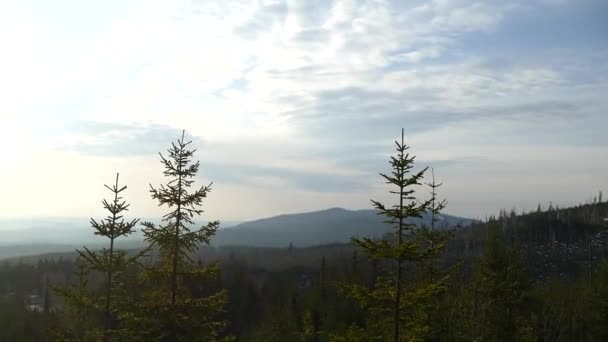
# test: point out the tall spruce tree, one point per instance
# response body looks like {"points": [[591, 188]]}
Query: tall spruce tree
{"points": [[173, 310], [433, 240], [395, 309], [110, 262]]}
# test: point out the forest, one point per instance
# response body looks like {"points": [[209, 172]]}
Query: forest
{"points": [[516, 276]]}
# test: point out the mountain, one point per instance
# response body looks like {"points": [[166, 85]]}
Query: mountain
{"points": [[35, 236], [333, 225]]}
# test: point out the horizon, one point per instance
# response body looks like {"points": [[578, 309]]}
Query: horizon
{"points": [[231, 223], [294, 107]]}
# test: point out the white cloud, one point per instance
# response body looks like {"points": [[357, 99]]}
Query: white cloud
{"points": [[257, 80], [473, 17], [183, 63]]}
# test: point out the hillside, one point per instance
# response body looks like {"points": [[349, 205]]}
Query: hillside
{"points": [[333, 225]]}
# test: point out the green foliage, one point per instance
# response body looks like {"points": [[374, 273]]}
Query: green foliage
{"points": [[397, 309], [493, 304], [419, 283], [598, 304], [174, 309], [109, 303], [270, 302]]}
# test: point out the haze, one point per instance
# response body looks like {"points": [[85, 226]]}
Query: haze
{"points": [[293, 106]]}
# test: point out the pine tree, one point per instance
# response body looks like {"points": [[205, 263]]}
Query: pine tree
{"points": [[172, 311], [79, 306], [395, 308], [500, 283], [110, 262], [47, 298], [597, 306], [433, 240]]}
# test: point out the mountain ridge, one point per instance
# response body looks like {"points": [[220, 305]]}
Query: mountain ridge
{"points": [[327, 226], [332, 225]]}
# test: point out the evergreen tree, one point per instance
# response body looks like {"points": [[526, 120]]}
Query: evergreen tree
{"points": [[110, 262], [598, 305], [395, 308], [79, 306], [47, 299], [172, 311], [501, 287], [433, 240]]}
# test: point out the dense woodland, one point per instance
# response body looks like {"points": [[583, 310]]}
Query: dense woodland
{"points": [[536, 276]]}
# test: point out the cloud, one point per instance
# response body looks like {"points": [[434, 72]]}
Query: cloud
{"points": [[271, 66], [308, 95], [262, 20], [280, 178], [116, 139], [446, 163], [476, 16]]}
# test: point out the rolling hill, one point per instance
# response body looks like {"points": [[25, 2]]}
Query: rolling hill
{"points": [[333, 225]]}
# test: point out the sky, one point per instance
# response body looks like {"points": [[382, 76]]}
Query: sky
{"points": [[294, 105]]}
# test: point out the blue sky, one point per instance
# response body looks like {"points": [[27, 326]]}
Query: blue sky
{"points": [[293, 105]]}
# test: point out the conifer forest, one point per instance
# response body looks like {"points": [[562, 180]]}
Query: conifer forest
{"points": [[535, 276], [304, 171]]}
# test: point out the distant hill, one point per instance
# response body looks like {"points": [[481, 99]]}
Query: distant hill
{"points": [[333, 225], [36, 236], [336, 225]]}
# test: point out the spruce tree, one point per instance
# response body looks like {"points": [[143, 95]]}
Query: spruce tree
{"points": [[500, 284], [79, 306], [172, 310], [110, 262], [395, 308], [113, 261], [433, 237], [432, 240], [47, 298]]}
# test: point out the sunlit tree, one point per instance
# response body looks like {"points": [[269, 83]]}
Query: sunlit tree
{"points": [[111, 262], [396, 308], [172, 311]]}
